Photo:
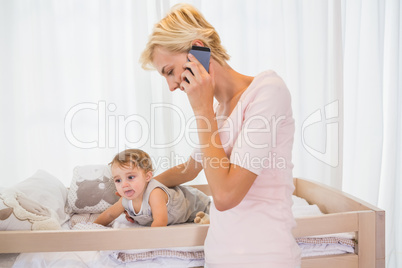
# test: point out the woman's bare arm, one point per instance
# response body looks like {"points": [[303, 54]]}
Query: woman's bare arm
{"points": [[228, 182], [180, 174]]}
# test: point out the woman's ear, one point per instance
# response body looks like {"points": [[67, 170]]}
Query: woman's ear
{"points": [[197, 43]]}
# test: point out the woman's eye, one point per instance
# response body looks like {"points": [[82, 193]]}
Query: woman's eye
{"points": [[170, 72]]}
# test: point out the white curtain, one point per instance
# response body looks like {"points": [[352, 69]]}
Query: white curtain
{"points": [[73, 93], [372, 41]]}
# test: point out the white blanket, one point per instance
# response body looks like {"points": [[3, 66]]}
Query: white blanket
{"points": [[175, 257], [96, 259]]}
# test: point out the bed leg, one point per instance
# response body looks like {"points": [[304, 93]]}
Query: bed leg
{"points": [[371, 240], [380, 239], [366, 240]]}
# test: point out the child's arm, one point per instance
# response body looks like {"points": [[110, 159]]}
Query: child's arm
{"points": [[110, 214], [157, 200]]}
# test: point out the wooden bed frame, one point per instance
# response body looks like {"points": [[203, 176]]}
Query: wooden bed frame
{"points": [[344, 213]]}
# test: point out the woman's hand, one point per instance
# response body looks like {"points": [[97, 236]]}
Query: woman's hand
{"points": [[128, 218], [200, 86]]}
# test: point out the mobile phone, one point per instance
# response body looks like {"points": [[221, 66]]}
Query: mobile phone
{"points": [[203, 54]]}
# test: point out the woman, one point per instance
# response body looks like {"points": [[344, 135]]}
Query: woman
{"points": [[248, 165]]}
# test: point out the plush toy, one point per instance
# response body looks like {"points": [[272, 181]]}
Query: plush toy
{"points": [[201, 218], [104, 186], [26, 209]]}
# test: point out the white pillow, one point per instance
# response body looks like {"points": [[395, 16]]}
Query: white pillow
{"points": [[36, 203], [92, 190]]}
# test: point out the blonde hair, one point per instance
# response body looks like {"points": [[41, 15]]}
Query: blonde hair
{"points": [[176, 32], [133, 158]]}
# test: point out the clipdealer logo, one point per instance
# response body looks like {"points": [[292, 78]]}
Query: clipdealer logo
{"points": [[112, 127], [260, 133], [330, 154]]}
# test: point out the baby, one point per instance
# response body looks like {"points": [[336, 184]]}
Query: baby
{"points": [[145, 199]]}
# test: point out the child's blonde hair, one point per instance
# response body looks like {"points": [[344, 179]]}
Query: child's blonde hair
{"points": [[133, 158], [176, 32]]}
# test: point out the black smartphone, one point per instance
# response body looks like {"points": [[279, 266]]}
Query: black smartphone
{"points": [[203, 54]]}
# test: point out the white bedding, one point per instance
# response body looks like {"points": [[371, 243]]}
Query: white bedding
{"points": [[96, 259], [320, 245], [174, 257], [7, 259]]}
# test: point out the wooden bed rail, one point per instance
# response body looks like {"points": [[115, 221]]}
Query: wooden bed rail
{"points": [[184, 235], [106, 239], [328, 199]]}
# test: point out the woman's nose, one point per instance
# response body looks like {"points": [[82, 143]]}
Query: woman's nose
{"points": [[172, 88], [174, 82]]}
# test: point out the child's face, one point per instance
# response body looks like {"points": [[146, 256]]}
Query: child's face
{"points": [[130, 182]]}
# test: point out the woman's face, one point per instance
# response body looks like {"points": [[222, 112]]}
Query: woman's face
{"points": [[170, 66]]}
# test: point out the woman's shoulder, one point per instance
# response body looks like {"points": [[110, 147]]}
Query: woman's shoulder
{"points": [[266, 85], [268, 79]]}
